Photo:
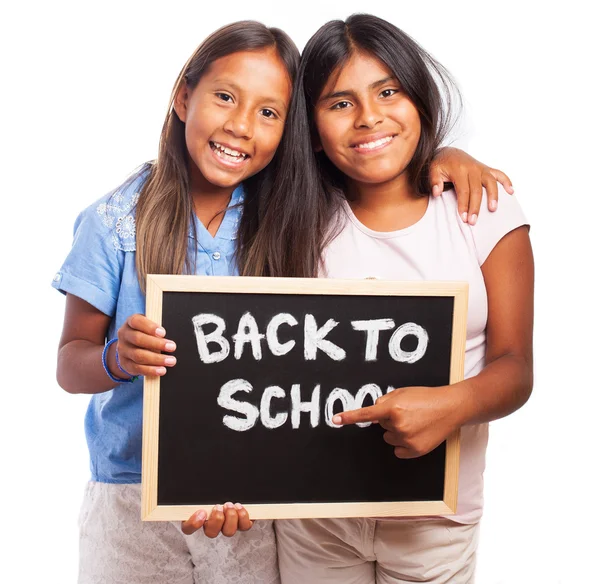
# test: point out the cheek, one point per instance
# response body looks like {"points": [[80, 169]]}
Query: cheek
{"points": [[267, 143], [331, 140], [194, 132], [413, 120]]}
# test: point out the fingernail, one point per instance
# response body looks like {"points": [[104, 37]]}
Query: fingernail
{"points": [[228, 505], [160, 370], [436, 190], [337, 419], [510, 190], [170, 346], [238, 506], [219, 508], [473, 219], [201, 515], [170, 360], [493, 205], [160, 331], [464, 217]]}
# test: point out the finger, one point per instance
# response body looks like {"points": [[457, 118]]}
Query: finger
{"points": [[491, 188], [393, 439], [141, 323], [194, 523], [389, 426], [503, 180], [214, 524], [368, 414], [136, 357], [244, 522], [403, 452], [461, 188], [142, 370], [145, 341], [475, 196], [230, 525], [436, 181]]}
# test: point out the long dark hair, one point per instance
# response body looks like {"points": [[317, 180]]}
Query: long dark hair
{"points": [[165, 209], [296, 221]]}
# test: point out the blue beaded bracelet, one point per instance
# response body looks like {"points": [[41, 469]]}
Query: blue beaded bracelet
{"points": [[131, 379]]}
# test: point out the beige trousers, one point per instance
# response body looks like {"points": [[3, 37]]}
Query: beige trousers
{"points": [[115, 546], [368, 551]]}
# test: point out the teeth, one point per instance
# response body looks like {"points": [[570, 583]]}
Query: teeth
{"points": [[228, 151], [375, 144]]}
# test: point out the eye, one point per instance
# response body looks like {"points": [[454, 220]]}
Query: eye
{"points": [[224, 97], [341, 105], [267, 113], [388, 92]]}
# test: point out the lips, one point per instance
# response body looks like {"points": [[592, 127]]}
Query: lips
{"points": [[227, 153], [373, 143]]}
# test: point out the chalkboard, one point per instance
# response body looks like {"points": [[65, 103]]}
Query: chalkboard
{"points": [[262, 366]]}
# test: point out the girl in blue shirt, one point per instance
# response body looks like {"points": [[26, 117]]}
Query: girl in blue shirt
{"points": [[184, 213]]}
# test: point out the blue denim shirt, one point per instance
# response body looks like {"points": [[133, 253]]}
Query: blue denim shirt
{"points": [[100, 269]]}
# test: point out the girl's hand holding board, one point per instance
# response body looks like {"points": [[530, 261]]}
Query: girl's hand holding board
{"points": [[417, 419], [227, 519], [141, 346]]}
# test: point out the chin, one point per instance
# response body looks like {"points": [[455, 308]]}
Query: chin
{"points": [[224, 180]]}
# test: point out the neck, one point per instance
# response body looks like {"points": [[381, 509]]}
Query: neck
{"points": [[205, 193], [388, 206], [209, 201]]}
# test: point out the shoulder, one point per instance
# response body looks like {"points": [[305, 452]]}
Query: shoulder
{"points": [[508, 207], [113, 215], [491, 227]]}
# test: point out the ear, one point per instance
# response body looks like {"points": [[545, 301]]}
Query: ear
{"points": [[180, 104]]}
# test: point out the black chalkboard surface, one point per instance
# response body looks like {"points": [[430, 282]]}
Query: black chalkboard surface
{"points": [[262, 366]]}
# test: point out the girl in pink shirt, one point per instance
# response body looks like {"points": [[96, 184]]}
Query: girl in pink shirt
{"points": [[377, 107]]}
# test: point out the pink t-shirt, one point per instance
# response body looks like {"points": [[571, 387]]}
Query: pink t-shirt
{"points": [[438, 247]]}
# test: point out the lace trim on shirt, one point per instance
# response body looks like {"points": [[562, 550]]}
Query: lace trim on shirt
{"points": [[117, 214]]}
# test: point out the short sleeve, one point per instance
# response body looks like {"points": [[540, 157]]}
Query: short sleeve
{"points": [[492, 227], [94, 266]]}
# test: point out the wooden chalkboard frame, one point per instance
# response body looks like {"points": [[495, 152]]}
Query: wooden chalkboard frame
{"points": [[157, 284]]}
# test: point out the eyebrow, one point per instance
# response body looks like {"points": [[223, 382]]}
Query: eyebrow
{"points": [[233, 85], [348, 92]]}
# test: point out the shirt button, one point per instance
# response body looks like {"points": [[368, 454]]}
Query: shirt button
{"points": [[216, 255]]}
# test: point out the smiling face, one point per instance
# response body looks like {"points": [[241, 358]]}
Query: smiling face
{"points": [[366, 125], [234, 117]]}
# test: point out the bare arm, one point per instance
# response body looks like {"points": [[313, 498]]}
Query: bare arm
{"points": [[79, 368], [83, 338], [506, 382]]}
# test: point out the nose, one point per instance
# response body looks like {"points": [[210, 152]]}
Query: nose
{"points": [[239, 124], [368, 116]]}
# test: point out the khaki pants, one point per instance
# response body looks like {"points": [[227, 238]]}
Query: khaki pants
{"points": [[115, 546], [365, 551]]}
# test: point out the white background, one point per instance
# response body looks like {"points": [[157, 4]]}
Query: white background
{"points": [[85, 87]]}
